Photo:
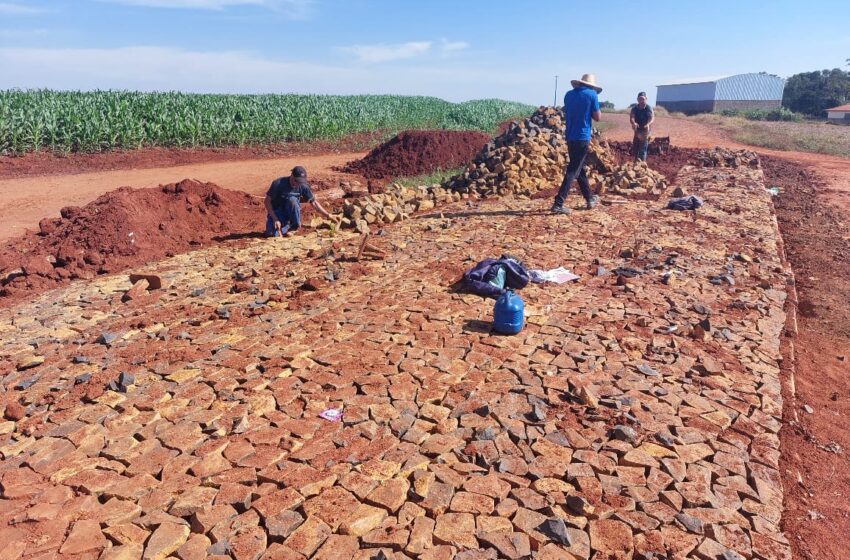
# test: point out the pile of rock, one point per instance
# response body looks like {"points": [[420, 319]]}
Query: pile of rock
{"points": [[724, 157], [528, 157], [396, 203], [634, 178]]}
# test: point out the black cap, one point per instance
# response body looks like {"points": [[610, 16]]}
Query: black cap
{"points": [[641, 94], [299, 174]]}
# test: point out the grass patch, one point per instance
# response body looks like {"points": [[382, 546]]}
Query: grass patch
{"points": [[817, 138], [778, 114], [436, 177], [811, 136], [602, 126]]}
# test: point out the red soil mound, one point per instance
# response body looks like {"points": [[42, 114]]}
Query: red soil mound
{"points": [[417, 152], [121, 229]]}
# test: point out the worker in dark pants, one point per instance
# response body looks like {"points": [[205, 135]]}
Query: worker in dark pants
{"points": [[641, 118], [283, 203], [581, 105]]}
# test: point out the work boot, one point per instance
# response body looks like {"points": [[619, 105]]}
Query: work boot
{"points": [[561, 210], [592, 202]]}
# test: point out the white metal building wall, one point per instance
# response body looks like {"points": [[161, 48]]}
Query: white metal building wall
{"points": [[701, 91], [750, 87]]}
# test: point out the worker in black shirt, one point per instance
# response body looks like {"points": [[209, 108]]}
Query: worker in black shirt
{"points": [[283, 203], [641, 118]]}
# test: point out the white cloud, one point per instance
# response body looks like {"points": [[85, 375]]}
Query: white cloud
{"points": [[146, 68], [295, 8], [452, 46], [22, 34], [16, 9], [387, 53]]}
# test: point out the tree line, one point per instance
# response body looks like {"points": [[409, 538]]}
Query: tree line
{"points": [[812, 93]]}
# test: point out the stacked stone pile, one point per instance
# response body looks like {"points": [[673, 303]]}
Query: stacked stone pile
{"points": [[528, 157], [724, 157], [396, 203], [634, 178]]}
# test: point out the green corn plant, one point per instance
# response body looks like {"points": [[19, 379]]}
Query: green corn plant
{"points": [[72, 121]]}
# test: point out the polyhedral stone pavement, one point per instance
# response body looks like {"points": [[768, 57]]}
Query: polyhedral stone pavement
{"points": [[599, 431]]}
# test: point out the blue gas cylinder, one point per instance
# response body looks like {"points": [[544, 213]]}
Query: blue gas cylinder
{"points": [[508, 313]]}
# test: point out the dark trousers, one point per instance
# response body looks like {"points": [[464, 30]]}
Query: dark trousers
{"points": [[640, 144], [575, 170], [289, 217]]}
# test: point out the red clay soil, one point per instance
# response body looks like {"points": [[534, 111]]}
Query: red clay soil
{"points": [[122, 229], [46, 163], [814, 463], [418, 152]]}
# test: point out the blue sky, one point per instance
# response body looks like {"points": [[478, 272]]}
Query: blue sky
{"points": [[457, 50]]}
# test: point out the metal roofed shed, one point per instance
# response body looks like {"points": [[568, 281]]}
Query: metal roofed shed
{"points": [[840, 114], [741, 91]]}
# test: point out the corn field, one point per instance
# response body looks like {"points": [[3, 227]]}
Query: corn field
{"points": [[97, 121]]}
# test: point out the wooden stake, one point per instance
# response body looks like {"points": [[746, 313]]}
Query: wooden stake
{"points": [[360, 249]]}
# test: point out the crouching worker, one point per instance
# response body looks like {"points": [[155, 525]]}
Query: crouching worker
{"points": [[283, 203]]}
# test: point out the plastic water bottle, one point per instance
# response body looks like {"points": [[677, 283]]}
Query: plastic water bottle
{"points": [[508, 315]]}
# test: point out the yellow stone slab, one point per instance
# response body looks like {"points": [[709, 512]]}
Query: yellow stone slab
{"points": [[111, 399], [657, 451], [183, 375]]}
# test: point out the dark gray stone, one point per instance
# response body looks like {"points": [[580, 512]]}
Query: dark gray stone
{"points": [[555, 529], [538, 413], [107, 338], [665, 439], [26, 383], [624, 433], [648, 371], [483, 410], [486, 434], [121, 383], [221, 548], [690, 523], [558, 438]]}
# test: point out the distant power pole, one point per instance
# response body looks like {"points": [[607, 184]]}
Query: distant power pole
{"points": [[556, 92]]}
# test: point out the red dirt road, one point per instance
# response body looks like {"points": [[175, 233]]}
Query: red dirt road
{"points": [[26, 200], [812, 216]]}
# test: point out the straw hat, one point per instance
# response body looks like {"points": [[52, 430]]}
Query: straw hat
{"points": [[588, 80]]}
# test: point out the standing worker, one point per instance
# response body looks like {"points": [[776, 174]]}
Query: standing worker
{"points": [[283, 203], [581, 104], [641, 118]]}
